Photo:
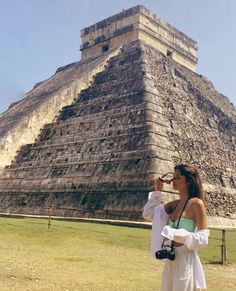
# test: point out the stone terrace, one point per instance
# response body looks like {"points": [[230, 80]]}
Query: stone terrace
{"points": [[22, 122], [141, 115]]}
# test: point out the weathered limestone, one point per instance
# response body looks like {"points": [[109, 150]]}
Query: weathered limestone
{"points": [[202, 130], [94, 157], [138, 23], [142, 113], [21, 124]]}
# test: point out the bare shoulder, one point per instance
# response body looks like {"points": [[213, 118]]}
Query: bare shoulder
{"points": [[199, 211], [197, 203]]}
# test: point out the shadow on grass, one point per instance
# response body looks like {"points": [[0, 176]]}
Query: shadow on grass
{"points": [[214, 263]]}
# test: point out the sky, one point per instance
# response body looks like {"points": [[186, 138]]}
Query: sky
{"points": [[38, 36]]}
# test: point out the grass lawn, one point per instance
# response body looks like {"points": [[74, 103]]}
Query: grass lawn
{"points": [[85, 256], [212, 254]]}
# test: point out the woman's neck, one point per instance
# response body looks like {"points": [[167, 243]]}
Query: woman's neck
{"points": [[183, 196]]}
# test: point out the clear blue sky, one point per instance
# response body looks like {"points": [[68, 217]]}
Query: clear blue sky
{"points": [[38, 36]]}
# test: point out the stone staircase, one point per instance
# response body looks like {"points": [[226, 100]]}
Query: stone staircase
{"points": [[141, 114], [21, 124]]}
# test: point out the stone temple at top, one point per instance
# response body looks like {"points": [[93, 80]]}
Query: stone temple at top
{"points": [[139, 23], [90, 140]]}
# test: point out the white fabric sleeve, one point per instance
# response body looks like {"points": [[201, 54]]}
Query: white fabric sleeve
{"points": [[154, 199], [193, 240], [159, 220]]}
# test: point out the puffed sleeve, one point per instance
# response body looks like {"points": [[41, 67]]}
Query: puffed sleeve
{"points": [[154, 199], [193, 240]]}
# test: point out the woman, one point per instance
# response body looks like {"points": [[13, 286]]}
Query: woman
{"points": [[181, 223]]}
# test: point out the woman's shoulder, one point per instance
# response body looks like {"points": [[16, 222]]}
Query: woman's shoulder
{"points": [[197, 204], [199, 213], [196, 201]]}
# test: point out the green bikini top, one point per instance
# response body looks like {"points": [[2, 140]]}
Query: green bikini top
{"points": [[186, 223]]}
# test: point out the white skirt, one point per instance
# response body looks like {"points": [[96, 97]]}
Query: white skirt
{"points": [[178, 274]]}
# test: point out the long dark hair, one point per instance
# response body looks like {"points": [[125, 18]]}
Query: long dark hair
{"points": [[192, 178]]}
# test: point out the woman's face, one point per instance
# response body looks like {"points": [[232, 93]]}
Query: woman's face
{"points": [[179, 182]]}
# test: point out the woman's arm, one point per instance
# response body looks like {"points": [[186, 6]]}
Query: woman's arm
{"points": [[199, 211], [193, 240], [154, 199]]}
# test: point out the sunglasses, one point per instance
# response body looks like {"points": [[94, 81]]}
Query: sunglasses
{"points": [[167, 181]]}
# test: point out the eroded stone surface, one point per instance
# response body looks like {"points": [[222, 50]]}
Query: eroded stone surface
{"points": [[142, 114], [23, 121]]}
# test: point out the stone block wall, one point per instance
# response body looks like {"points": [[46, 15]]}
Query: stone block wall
{"points": [[138, 23], [22, 123], [95, 149], [140, 116], [202, 128]]}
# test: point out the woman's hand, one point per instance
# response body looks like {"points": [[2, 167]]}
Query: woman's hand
{"points": [[158, 184]]}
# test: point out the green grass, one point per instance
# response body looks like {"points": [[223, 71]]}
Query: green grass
{"points": [[212, 254], [83, 256]]}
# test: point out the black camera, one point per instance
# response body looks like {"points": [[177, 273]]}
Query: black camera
{"points": [[165, 254]]}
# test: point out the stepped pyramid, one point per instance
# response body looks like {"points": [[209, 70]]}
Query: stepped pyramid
{"points": [[90, 140]]}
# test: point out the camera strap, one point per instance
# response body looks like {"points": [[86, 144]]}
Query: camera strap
{"points": [[172, 242]]}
